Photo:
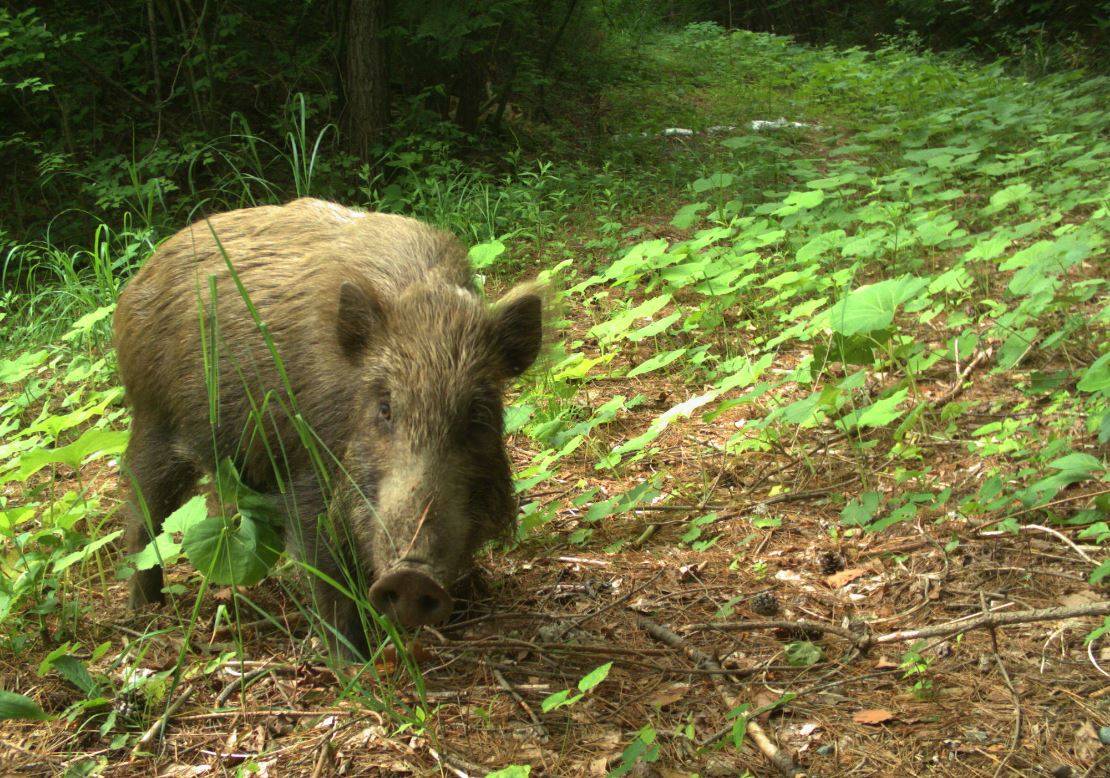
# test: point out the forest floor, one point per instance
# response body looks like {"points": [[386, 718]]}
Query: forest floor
{"points": [[651, 582]]}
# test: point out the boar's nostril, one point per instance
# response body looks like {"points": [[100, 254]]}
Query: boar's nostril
{"points": [[411, 598]]}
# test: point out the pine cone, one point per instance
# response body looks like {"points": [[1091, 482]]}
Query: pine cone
{"points": [[765, 604], [830, 562]]}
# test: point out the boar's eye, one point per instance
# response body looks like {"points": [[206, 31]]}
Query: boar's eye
{"points": [[385, 410]]}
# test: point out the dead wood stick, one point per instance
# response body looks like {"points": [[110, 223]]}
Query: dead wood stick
{"points": [[159, 724], [803, 625], [537, 725], [958, 626], [456, 764], [1009, 683], [995, 619], [325, 756], [1048, 530], [777, 757], [958, 387]]}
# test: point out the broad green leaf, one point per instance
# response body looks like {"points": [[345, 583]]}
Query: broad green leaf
{"points": [[656, 362], [654, 328], [15, 370], [1077, 461], [799, 201], [512, 771], [714, 181], [878, 414], [621, 322], [85, 552], [88, 321], [820, 245], [230, 553], [485, 254], [73, 670], [1100, 573], [516, 416], [162, 550], [93, 443], [1096, 378], [1009, 195], [16, 706], [594, 677], [803, 653], [859, 512], [872, 307], [558, 700], [688, 215]]}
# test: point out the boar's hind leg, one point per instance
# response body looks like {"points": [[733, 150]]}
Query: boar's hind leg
{"points": [[160, 482]]}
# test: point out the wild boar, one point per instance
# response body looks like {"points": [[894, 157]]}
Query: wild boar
{"points": [[386, 352]]}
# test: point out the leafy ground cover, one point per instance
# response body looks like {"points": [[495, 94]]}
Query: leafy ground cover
{"points": [[851, 372]]}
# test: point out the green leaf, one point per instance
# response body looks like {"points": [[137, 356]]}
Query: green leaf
{"points": [[798, 201], [860, 511], [86, 322], [872, 307], [73, 670], [15, 370], [231, 554], [594, 677], [1100, 572], [803, 653], [1077, 462], [163, 550], [656, 362], [485, 254], [688, 215], [654, 328], [16, 706], [85, 552], [558, 700], [516, 416], [1009, 195], [1096, 378], [714, 181], [194, 511], [878, 414], [512, 771], [820, 245], [92, 443]]}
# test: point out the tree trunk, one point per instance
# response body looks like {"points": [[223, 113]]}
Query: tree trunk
{"points": [[367, 88]]}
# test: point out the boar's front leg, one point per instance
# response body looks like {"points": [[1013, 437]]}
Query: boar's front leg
{"points": [[340, 615]]}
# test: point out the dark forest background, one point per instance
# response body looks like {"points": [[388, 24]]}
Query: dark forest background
{"points": [[123, 106]]}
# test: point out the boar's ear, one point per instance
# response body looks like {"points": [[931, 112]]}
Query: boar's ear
{"points": [[359, 313], [518, 327]]}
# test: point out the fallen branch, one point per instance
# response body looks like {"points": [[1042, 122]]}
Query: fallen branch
{"points": [[537, 725], [958, 387], [1048, 530], [863, 641], [994, 619], [803, 625], [1016, 738], [777, 757], [155, 729]]}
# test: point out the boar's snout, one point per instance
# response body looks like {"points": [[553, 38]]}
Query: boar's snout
{"points": [[411, 598]]}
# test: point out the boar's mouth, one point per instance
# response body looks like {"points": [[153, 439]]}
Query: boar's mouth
{"points": [[411, 596]]}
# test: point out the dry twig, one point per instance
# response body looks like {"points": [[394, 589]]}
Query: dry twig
{"points": [[537, 725], [778, 758]]}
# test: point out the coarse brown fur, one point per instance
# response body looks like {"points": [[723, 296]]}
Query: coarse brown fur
{"points": [[391, 359]]}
